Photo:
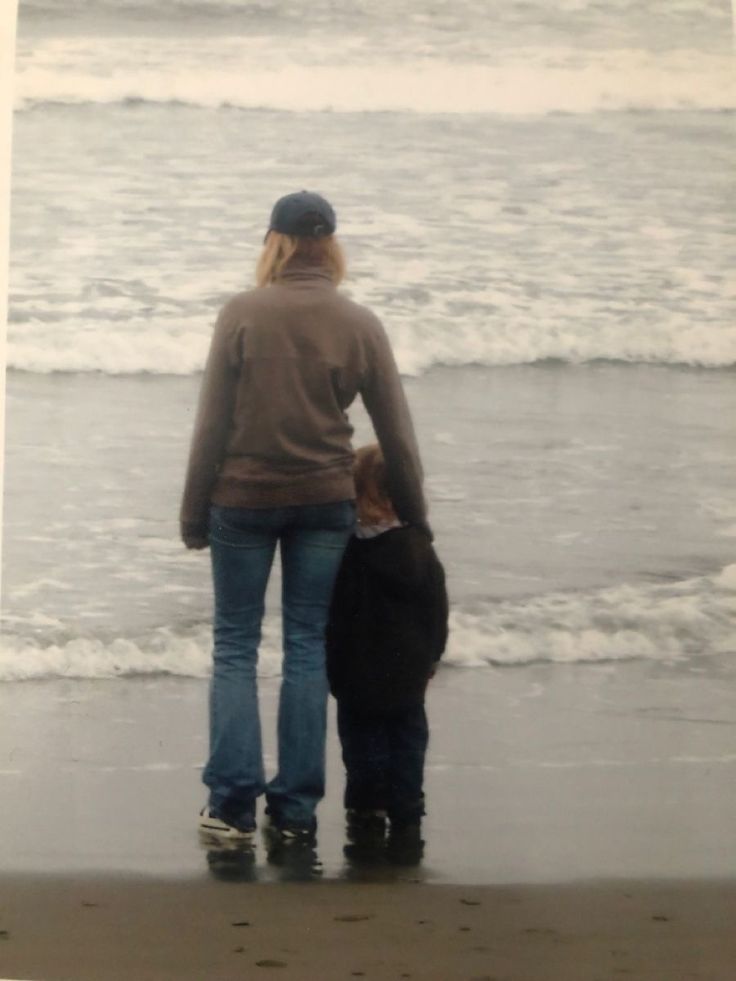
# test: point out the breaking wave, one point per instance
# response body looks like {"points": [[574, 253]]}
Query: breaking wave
{"points": [[685, 619], [240, 73]]}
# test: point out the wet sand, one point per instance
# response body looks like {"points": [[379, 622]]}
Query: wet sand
{"points": [[110, 929], [540, 774]]}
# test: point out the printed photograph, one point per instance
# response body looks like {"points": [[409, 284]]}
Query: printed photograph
{"points": [[369, 526]]}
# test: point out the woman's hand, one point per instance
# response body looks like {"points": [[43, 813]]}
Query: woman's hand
{"points": [[194, 537], [196, 543]]}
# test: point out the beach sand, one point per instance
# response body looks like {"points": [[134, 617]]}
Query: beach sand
{"points": [[580, 826], [92, 929]]}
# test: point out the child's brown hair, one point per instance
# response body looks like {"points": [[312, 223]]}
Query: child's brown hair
{"points": [[371, 486]]}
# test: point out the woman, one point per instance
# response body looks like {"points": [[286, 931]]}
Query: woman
{"points": [[271, 462]]}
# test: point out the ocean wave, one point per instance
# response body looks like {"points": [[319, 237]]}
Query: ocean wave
{"points": [[418, 349], [240, 73], [494, 241], [379, 9], [123, 360], [479, 22], [686, 619], [689, 618], [162, 353]]}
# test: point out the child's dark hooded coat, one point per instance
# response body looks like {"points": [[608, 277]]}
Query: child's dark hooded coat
{"points": [[388, 621]]}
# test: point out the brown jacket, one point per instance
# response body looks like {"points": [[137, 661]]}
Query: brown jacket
{"points": [[271, 429]]}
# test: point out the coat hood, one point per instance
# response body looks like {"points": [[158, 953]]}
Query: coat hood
{"points": [[398, 556]]}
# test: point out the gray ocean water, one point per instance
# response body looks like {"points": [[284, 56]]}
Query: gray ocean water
{"points": [[539, 205]]}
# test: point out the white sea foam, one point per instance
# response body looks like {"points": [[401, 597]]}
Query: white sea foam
{"points": [[132, 225], [685, 619], [726, 580], [691, 618], [243, 73], [163, 652], [421, 337], [162, 351]]}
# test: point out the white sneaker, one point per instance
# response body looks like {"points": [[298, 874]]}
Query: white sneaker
{"points": [[210, 825]]}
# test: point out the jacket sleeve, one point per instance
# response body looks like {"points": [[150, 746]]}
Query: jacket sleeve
{"points": [[440, 608], [211, 426], [384, 398]]}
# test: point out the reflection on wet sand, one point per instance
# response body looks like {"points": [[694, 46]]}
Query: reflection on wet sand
{"points": [[369, 857]]}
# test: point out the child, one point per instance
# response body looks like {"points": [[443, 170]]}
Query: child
{"points": [[386, 631]]}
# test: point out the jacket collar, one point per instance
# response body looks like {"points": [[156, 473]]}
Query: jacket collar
{"points": [[301, 271]]}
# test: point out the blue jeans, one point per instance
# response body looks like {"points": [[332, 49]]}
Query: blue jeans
{"points": [[243, 541]]}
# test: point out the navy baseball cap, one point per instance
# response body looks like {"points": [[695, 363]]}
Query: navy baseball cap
{"points": [[303, 214]]}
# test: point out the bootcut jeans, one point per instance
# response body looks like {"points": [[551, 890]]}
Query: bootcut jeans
{"points": [[243, 541]]}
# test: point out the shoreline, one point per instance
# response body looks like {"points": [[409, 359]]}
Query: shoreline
{"points": [[542, 482], [550, 774]]}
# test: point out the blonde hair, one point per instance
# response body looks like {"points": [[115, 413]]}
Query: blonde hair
{"points": [[371, 486], [280, 249]]}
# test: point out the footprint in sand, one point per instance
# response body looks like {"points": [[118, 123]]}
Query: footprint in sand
{"points": [[271, 963], [353, 917]]}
